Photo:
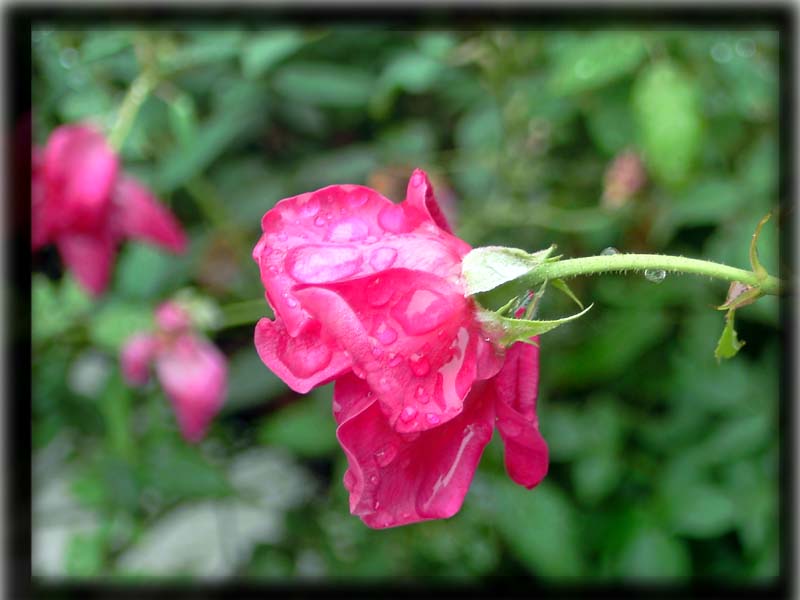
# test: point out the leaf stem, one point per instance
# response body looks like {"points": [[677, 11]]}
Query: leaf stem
{"points": [[655, 262]]}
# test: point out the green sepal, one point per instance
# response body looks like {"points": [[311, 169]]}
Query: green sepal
{"points": [[489, 267], [562, 287], [755, 263], [728, 344], [739, 295], [509, 330]]}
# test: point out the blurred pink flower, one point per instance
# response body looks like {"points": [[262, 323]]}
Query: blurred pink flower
{"points": [[83, 204], [192, 371], [370, 294]]}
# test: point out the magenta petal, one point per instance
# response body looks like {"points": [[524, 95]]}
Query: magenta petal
{"points": [[302, 361], [344, 232], [80, 169], [42, 219], [515, 388], [395, 479], [420, 195], [172, 317], [410, 334], [137, 353], [89, 256], [193, 373], [139, 215]]}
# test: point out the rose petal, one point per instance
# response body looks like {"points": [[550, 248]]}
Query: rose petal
{"points": [[137, 353], [303, 361], [343, 232], [171, 317], [79, 169], [89, 256], [139, 215], [515, 387], [420, 195], [193, 373], [395, 479], [410, 334]]}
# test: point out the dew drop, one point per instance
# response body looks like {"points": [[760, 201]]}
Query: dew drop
{"points": [[417, 179], [307, 362], [419, 365], [420, 393], [376, 506], [336, 406], [373, 479], [382, 258], [385, 334], [394, 359], [348, 230], [433, 418], [356, 199], [420, 311], [349, 480], [386, 454], [384, 384], [282, 236], [394, 220], [310, 207], [319, 221], [610, 251], [290, 302], [359, 372], [377, 352], [319, 263], [655, 275], [408, 413], [378, 293]]}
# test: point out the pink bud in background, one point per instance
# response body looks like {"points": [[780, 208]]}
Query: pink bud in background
{"points": [[83, 204], [191, 370], [624, 177]]}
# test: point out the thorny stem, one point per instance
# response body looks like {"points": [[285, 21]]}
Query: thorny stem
{"points": [[589, 265]]}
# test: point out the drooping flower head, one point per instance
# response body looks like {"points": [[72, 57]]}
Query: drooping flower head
{"points": [[370, 294], [83, 203], [192, 371]]}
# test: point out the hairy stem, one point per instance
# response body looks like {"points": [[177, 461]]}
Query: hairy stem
{"points": [[653, 262]]}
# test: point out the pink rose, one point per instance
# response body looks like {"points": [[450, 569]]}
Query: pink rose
{"points": [[86, 206], [370, 294], [192, 371]]}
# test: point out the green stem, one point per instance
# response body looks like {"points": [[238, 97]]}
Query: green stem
{"points": [[653, 262], [137, 94]]}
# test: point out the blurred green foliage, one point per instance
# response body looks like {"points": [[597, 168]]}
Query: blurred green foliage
{"points": [[664, 464]]}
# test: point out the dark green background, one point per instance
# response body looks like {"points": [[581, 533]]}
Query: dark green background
{"points": [[664, 464]]}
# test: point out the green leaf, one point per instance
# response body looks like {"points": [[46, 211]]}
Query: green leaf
{"points": [[699, 510], [609, 122], [84, 555], [562, 287], [728, 344], [116, 321], [56, 307], [136, 259], [595, 476], [325, 84], [306, 428], [668, 121], [250, 382], [758, 268], [539, 527], [265, 50], [652, 553], [593, 60], [491, 266], [183, 119], [178, 471], [521, 330]]}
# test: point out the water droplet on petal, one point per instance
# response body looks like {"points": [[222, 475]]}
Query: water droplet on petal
{"points": [[282, 236], [655, 275], [291, 302], [377, 352], [420, 311], [394, 220], [385, 334], [394, 359], [382, 258], [376, 506], [310, 207], [318, 263], [609, 251], [408, 413], [348, 230], [349, 480], [421, 395], [386, 454], [357, 198], [433, 418], [319, 221], [419, 365], [305, 362], [373, 479], [417, 179], [359, 372], [378, 293]]}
